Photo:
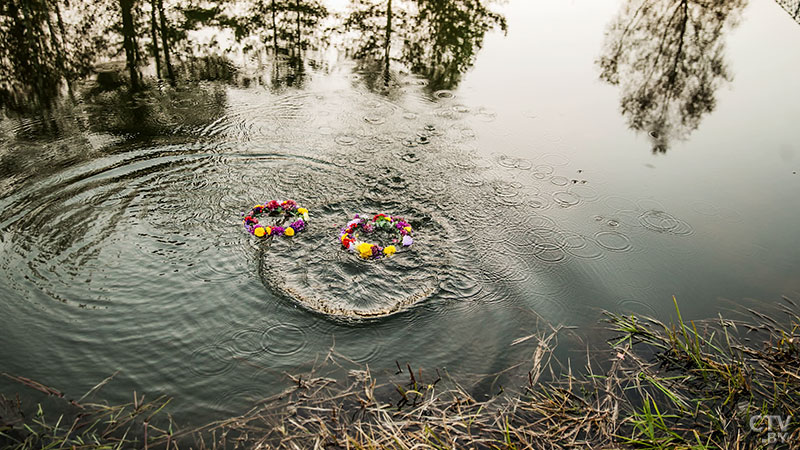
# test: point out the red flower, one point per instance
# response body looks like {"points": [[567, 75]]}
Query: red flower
{"points": [[273, 204], [378, 215]]}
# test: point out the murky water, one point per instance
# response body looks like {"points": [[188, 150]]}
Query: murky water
{"points": [[529, 192]]}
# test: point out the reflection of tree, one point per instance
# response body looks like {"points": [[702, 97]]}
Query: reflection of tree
{"points": [[39, 47], [285, 25], [283, 30], [377, 25], [667, 58], [447, 35], [46, 42], [153, 111], [436, 38], [27, 50]]}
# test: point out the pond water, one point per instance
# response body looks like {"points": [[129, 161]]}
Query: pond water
{"points": [[596, 156]]}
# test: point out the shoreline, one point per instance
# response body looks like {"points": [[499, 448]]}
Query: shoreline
{"points": [[727, 384]]}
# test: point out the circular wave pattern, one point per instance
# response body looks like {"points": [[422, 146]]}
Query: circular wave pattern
{"points": [[317, 273]]}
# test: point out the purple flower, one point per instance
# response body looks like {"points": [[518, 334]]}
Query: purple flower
{"points": [[278, 231], [407, 241], [298, 225], [368, 228], [376, 251]]}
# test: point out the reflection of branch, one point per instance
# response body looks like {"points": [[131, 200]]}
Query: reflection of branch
{"points": [[627, 29], [679, 53]]}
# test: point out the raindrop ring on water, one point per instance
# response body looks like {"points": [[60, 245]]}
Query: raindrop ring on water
{"points": [[614, 241], [444, 94], [284, 340], [283, 211], [399, 229]]}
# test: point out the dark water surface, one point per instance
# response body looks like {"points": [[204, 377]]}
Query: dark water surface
{"points": [[572, 165]]}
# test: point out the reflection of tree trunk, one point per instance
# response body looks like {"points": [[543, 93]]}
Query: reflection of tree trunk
{"points": [[154, 37], [274, 30], [387, 45], [25, 34], [164, 40], [297, 39], [62, 29], [129, 43], [56, 46], [60, 22]]}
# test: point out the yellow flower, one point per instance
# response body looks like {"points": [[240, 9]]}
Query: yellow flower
{"points": [[302, 210], [289, 231], [260, 232], [269, 231], [365, 249], [407, 229], [390, 250]]}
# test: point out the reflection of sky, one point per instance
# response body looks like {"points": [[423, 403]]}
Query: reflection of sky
{"points": [[740, 159]]}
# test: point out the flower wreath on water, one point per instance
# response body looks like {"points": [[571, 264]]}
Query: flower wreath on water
{"points": [[400, 229], [287, 210]]}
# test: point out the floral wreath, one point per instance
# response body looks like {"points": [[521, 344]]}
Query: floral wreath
{"points": [[349, 235], [288, 210]]}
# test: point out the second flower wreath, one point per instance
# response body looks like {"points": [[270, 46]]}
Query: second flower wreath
{"points": [[399, 231]]}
